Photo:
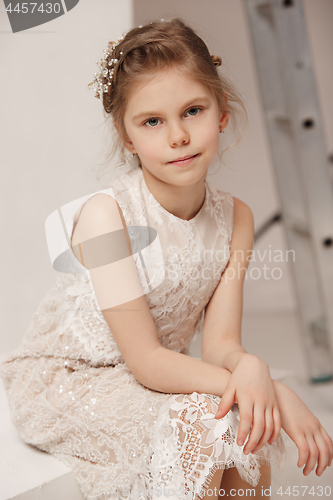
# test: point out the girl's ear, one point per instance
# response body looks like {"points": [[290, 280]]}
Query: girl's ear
{"points": [[125, 139], [224, 120], [128, 144]]}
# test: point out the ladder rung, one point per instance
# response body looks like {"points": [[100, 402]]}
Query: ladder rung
{"points": [[278, 116], [299, 227], [259, 3]]}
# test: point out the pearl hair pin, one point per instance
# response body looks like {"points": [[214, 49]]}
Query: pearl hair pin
{"points": [[107, 67], [107, 73]]}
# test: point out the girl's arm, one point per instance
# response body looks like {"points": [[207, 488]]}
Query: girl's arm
{"points": [[154, 366], [250, 384], [221, 336], [95, 237]]}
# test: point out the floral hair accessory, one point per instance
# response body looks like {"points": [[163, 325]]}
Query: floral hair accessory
{"points": [[109, 63], [107, 66]]}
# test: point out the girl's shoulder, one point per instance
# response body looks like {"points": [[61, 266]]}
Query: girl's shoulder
{"points": [[241, 209], [100, 214], [60, 225], [243, 226]]}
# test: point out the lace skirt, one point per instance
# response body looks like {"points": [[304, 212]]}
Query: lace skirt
{"points": [[123, 440]]}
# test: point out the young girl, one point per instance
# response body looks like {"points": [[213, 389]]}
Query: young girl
{"points": [[102, 379]]}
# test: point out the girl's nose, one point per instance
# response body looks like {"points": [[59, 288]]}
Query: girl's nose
{"points": [[178, 135]]}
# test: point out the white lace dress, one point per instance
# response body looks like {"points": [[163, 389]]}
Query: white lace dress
{"points": [[71, 393]]}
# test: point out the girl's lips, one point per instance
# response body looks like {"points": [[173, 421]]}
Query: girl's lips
{"points": [[183, 163]]}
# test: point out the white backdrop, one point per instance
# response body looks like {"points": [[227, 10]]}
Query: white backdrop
{"points": [[53, 134], [52, 141]]}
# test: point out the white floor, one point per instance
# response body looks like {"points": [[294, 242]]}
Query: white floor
{"points": [[276, 338]]}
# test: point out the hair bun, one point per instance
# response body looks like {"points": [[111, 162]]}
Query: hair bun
{"points": [[216, 60]]}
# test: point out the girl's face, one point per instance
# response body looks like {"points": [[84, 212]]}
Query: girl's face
{"points": [[171, 116]]}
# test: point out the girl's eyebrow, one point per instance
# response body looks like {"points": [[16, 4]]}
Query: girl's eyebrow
{"points": [[203, 99]]}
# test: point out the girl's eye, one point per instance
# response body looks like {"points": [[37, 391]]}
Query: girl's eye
{"points": [[152, 122], [196, 111]]}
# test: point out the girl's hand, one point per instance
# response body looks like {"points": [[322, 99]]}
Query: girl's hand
{"points": [[305, 430], [251, 387]]}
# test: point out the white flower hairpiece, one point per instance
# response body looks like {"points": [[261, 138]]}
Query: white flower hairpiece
{"points": [[107, 68], [107, 73]]}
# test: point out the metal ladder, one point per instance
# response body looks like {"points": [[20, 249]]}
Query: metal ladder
{"points": [[294, 126]]}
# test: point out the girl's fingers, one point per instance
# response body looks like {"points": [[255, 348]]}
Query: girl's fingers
{"points": [[246, 420], [304, 451], [226, 402], [329, 443], [313, 455], [258, 428], [269, 427], [324, 453], [277, 425]]}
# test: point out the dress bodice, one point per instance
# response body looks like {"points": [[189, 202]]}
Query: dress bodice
{"points": [[195, 253]]}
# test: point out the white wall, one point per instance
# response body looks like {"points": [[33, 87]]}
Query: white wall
{"points": [[51, 141], [250, 176]]}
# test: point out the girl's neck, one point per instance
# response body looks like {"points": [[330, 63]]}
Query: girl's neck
{"points": [[183, 202]]}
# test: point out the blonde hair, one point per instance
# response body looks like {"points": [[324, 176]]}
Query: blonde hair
{"points": [[158, 46]]}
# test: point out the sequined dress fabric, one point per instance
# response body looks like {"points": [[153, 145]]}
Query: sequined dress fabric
{"points": [[71, 394]]}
